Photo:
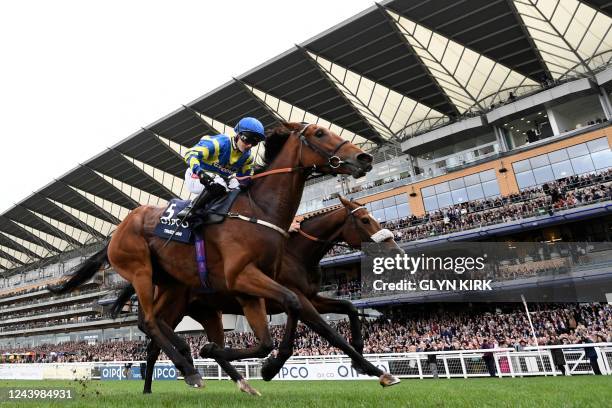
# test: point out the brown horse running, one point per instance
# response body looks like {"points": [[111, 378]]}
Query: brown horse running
{"points": [[300, 272], [242, 256]]}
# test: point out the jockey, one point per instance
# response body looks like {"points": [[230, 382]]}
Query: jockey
{"points": [[215, 161]]}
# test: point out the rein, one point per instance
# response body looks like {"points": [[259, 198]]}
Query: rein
{"points": [[333, 161]]}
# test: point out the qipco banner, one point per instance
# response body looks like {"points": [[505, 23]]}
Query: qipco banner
{"points": [[550, 271], [160, 372], [325, 371]]}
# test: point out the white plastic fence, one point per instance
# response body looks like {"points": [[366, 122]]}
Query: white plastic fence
{"points": [[449, 364]]}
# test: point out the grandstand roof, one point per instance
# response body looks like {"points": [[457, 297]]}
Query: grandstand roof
{"points": [[397, 67]]}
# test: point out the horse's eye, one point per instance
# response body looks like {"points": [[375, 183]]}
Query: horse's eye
{"points": [[365, 220], [319, 133]]}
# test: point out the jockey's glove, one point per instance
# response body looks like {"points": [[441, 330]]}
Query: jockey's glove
{"points": [[233, 183]]}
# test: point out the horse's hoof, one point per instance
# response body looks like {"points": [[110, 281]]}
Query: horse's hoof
{"points": [[387, 380], [146, 392], [207, 350], [244, 386], [194, 380], [268, 370]]}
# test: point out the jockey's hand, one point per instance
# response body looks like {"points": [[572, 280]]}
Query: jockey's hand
{"points": [[204, 177], [233, 183]]}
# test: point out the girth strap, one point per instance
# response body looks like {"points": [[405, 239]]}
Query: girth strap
{"points": [[260, 222]]}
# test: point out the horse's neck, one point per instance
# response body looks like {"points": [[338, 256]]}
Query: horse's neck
{"points": [[324, 228], [278, 196]]}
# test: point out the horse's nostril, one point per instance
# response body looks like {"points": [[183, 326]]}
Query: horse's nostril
{"points": [[365, 158]]}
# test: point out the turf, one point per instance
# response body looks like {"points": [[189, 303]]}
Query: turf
{"points": [[583, 391]]}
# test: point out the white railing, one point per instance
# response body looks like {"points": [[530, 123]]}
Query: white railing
{"points": [[449, 364]]}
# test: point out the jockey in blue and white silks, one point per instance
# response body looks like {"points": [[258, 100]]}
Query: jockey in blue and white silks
{"points": [[218, 158]]}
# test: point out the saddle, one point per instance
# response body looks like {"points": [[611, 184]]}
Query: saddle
{"points": [[214, 212]]}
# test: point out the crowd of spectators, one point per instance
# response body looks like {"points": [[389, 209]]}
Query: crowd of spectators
{"points": [[542, 200], [396, 331]]}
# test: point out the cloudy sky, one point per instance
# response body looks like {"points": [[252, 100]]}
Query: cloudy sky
{"points": [[79, 76]]}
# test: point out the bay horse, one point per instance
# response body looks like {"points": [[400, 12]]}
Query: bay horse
{"points": [[241, 256], [300, 272]]}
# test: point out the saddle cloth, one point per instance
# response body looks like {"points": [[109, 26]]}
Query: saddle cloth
{"points": [[214, 212]]}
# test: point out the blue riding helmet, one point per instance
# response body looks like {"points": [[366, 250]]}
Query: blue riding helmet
{"points": [[251, 125]]}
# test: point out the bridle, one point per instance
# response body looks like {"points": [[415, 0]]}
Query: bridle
{"points": [[332, 160], [377, 237]]}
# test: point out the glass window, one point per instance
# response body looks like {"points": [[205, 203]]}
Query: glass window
{"points": [[379, 215], [539, 161], [430, 203], [598, 144], [487, 175], [525, 179], [456, 183], [472, 179], [578, 150], [475, 192], [583, 164], [445, 200], [521, 166], [562, 169], [376, 205], [389, 202], [442, 188], [428, 191], [391, 213], [490, 188], [459, 196], [543, 174], [602, 159], [403, 210], [558, 156]]}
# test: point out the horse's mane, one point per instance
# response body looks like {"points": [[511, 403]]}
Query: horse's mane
{"points": [[326, 210], [275, 140]]}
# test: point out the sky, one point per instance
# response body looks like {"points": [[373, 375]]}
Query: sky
{"points": [[77, 77]]}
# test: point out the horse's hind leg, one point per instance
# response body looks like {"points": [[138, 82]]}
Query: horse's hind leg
{"points": [[152, 354], [212, 321], [170, 307], [149, 324]]}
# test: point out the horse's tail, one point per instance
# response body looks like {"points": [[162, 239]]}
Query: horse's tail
{"points": [[83, 273], [126, 294]]}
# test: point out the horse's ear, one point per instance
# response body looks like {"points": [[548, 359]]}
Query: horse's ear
{"points": [[344, 201]]}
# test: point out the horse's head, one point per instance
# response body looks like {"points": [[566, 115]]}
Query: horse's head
{"points": [[360, 227], [325, 151]]}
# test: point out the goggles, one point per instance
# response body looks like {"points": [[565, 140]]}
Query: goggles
{"points": [[249, 138]]}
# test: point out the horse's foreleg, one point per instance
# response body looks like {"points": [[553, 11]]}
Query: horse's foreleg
{"points": [[272, 365], [311, 317], [338, 306]]}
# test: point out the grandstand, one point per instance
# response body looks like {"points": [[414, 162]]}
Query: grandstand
{"points": [[488, 121]]}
